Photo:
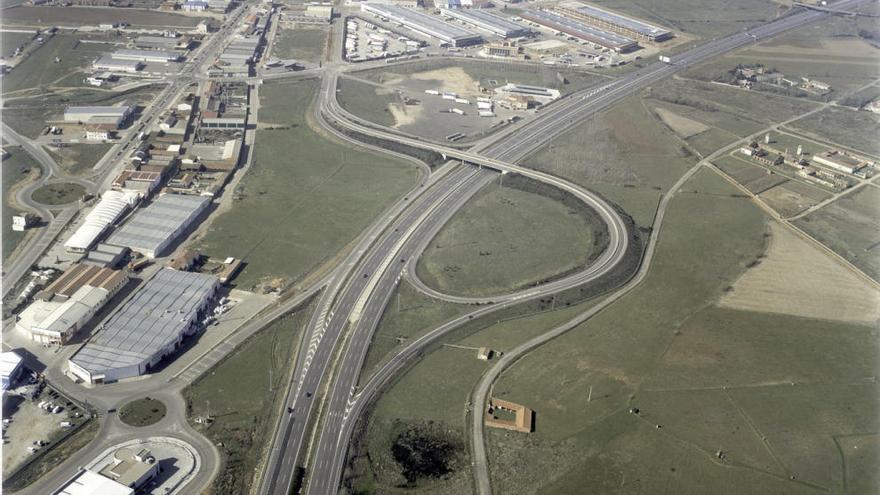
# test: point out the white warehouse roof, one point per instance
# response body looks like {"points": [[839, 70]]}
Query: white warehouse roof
{"points": [[112, 205], [143, 330], [146, 55], [155, 227], [88, 482], [9, 364]]}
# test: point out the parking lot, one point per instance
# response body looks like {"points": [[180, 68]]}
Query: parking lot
{"points": [[28, 428]]}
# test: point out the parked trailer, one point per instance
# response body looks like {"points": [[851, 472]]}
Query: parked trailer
{"points": [[458, 111], [486, 113], [463, 101], [432, 92]]}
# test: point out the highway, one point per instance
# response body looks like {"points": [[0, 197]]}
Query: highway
{"points": [[342, 405]]}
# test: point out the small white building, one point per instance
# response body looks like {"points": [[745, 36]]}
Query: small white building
{"points": [[10, 369], [97, 134]]}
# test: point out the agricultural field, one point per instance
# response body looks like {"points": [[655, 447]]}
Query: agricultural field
{"points": [[18, 169], [92, 16], [778, 283], [831, 51], [852, 129], [793, 197], [626, 154], [237, 395], [703, 379], [272, 225], [510, 236], [704, 19], [304, 44], [849, 226]]}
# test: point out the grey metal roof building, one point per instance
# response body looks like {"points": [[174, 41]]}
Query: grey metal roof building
{"points": [[159, 56], [488, 22], [612, 21], [571, 27], [153, 229], [425, 24], [148, 327]]}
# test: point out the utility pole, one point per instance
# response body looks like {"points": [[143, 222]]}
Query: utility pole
{"points": [[590, 395], [270, 378]]}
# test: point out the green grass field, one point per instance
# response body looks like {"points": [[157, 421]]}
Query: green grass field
{"points": [[508, 238], [436, 391], [300, 44], [60, 193], [305, 196], [16, 167], [701, 18], [238, 395], [79, 158], [626, 154], [142, 412], [711, 378], [11, 40], [366, 101], [830, 51], [851, 227], [408, 315], [40, 68], [856, 130]]}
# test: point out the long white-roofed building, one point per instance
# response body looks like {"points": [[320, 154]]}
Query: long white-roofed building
{"points": [[492, 23], [111, 207], [155, 56], [424, 24], [612, 21], [109, 115], [579, 30], [148, 327]]}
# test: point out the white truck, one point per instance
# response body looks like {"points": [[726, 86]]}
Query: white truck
{"points": [[665, 59]]}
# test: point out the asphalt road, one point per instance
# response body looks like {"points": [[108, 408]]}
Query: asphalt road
{"points": [[343, 405]]}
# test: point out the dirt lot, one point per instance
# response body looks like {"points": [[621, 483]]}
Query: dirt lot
{"points": [[681, 125], [85, 16], [787, 199], [29, 424], [782, 284]]}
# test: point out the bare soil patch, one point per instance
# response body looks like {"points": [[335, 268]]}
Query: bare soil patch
{"points": [[681, 125], [796, 278], [451, 79]]}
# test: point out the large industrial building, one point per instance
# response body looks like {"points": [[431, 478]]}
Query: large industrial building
{"points": [[424, 24], [153, 56], [840, 161], [611, 21], [111, 64], [492, 23], [148, 327], [10, 369], [153, 229], [66, 305], [111, 207], [581, 31], [115, 116]]}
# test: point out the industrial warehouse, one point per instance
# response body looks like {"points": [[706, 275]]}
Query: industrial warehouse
{"points": [[581, 31], [148, 327], [109, 116], [488, 22], [153, 229], [66, 305], [614, 22], [424, 24], [153, 56], [110, 209]]}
